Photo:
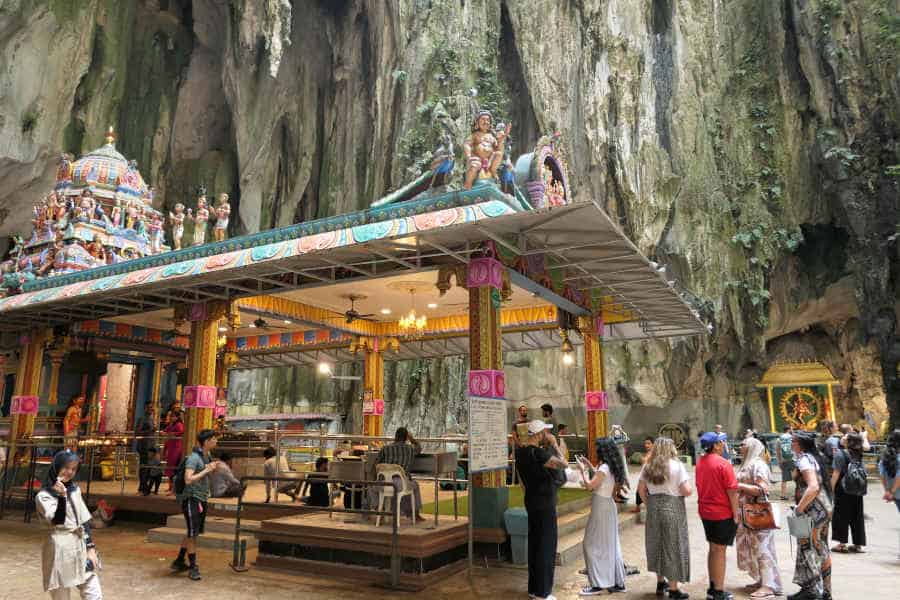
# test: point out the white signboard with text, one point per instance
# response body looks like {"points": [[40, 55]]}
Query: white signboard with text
{"points": [[487, 434]]}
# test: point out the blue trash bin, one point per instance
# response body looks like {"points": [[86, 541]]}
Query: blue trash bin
{"points": [[516, 521]]}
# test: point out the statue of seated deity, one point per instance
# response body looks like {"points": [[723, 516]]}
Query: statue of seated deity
{"points": [[484, 149]]}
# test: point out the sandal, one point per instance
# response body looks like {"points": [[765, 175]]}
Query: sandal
{"points": [[760, 594], [857, 549], [840, 549]]}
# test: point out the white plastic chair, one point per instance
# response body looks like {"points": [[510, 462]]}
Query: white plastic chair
{"points": [[387, 472]]}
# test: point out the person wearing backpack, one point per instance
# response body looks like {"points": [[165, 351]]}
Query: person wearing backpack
{"points": [[848, 481], [191, 483], [785, 458]]}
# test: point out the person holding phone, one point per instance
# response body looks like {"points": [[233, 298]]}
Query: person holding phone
{"points": [[69, 557]]}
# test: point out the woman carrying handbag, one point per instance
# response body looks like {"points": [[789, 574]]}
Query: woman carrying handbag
{"points": [[756, 546]]}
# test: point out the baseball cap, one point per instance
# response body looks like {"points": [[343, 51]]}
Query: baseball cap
{"points": [[537, 426], [710, 438]]}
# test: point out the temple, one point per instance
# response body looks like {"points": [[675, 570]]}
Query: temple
{"points": [[98, 308]]}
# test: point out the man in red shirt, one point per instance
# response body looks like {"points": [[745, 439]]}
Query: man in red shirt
{"points": [[717, 497]]}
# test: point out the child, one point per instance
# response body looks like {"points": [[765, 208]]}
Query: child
{"points": [[154, 471], [69, 557], [318, 490]]}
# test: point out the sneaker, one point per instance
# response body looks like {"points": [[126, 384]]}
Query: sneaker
{"points": [[662, 587], [616, 589], [678, 595], [194, 574], [591, 591], [179, 566]]}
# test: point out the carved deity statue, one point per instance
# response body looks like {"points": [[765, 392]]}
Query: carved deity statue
{"points": [[177, 221], [154, 229], [223, 212], [85, 208], [483, 149], [72, 422], [200, 219], [115, 216]]}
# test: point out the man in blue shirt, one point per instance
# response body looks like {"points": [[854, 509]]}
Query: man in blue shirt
{"points": [[193, 498]]}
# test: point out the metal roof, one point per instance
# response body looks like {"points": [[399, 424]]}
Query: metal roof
{"points": [[579, 238]]}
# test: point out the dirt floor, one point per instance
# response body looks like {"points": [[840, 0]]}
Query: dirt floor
{"points": [[135, 569]]}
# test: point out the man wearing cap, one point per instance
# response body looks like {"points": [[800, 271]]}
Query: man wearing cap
{"points": [[717, 497], [538, 453]]}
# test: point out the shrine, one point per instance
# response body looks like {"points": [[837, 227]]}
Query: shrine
{"points": [[799, 395], [510, 260]]}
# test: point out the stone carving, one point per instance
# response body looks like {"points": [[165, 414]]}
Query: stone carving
{"points": [[484, 149], [223, 212]]}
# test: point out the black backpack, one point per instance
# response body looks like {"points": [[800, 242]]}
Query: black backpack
{"points": [[178, 482], [855, 480]]}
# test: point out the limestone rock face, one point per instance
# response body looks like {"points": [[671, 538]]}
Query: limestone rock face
{"points": [[752, 147]]}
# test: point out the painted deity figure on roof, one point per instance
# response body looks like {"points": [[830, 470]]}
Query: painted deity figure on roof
{"points": [[176, 219], [223, 212], [484, 149], [154, 229], [200, 219]]}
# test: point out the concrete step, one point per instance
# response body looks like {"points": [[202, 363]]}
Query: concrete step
{"points": [[568, 548], [572, 522], [213, 524], [219, 541], [573, 506]]}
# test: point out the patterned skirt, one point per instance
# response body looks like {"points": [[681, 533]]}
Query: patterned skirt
{"points": [[813, 560], [666, 542]]}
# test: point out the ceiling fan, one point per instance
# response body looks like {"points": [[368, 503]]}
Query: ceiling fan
{"points": [[352, 314]]}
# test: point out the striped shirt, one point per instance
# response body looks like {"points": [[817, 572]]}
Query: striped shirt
{"points": [[398, 453]]}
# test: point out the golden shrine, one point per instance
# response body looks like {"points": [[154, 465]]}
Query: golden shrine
{"points": [[799, 394]]}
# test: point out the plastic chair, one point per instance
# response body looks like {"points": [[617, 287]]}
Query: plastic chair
{"points": [[387, 472]]}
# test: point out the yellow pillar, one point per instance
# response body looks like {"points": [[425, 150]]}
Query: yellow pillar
{"points": [[373, 390], [199, 399], [56, 353], [25, 398], [771, 408], [594, 393]]}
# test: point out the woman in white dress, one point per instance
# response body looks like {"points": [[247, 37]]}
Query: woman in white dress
{"points": [[69, 558], [602, 551]]}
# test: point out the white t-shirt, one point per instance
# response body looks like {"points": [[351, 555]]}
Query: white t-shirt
{"points": [[606, 486], [677, 476], [805, 462]]}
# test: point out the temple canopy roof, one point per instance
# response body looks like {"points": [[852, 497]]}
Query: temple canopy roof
{"points": [[797, 373]]}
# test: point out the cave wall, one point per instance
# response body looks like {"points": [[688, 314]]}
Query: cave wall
{"points": [[750, 146]]}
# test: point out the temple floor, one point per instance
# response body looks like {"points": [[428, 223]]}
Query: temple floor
{"points": [[134, 568]]}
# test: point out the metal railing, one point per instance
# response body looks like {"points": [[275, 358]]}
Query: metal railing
{"points": [[239, 551]]}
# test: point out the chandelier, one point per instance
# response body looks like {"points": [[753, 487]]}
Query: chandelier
{"points": [[411, 322]]}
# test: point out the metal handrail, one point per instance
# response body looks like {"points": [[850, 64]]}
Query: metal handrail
{"points": [[239, 553]]}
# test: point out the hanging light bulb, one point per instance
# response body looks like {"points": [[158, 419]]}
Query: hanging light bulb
{"points": [[567, 349]]}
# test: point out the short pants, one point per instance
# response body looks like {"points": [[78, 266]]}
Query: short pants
{"points": [[720, 532], [194, 516]]}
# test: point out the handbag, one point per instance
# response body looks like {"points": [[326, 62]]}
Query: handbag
{"points": [[759, 515], [799, 525]]}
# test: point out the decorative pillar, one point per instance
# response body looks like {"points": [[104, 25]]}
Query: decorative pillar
{"points": [[595, 401], [373, 390], [199, 398], [25, 400], [57, 352], [226, 362], [484, 279]]}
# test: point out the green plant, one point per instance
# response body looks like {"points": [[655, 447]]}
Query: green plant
{"points": [[29, 121]]}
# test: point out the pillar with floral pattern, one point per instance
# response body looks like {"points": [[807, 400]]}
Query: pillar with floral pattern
{"points": [[25, 399], [199, 397], [595, 402]]}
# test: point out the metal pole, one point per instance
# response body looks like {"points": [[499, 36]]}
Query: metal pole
{"points": [[5, 482], [436, 505], [395, 558], [87, 493], [235, 556], [455, 498], [277, 461], [31, 471], [120, 454]]}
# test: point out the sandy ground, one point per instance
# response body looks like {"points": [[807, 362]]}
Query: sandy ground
{"points": [[135, 569]]}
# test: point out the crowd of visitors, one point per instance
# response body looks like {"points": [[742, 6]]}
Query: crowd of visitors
{"points": [[733, 504]]}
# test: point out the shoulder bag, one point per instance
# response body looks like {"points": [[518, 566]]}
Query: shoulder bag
{"points": [[759, 515]]}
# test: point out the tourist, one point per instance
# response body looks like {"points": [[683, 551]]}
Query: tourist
{"points": [[648, 451], [319, 494], [273, 470], [717, 497], [620, 437], [154, 472], [561, 442], [547, 417], [785, 458], [173, 448], [602, 551], [756, 548], [812, 569], [222, 482], [520, 427], [848, 496], [663, 485], [193, 500], [888, 467], [726, 452], [402, 452], [146, 440], [69, 556], [532, 462]]}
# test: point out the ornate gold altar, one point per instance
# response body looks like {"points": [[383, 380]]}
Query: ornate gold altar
{"points": [[799, 394]]}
